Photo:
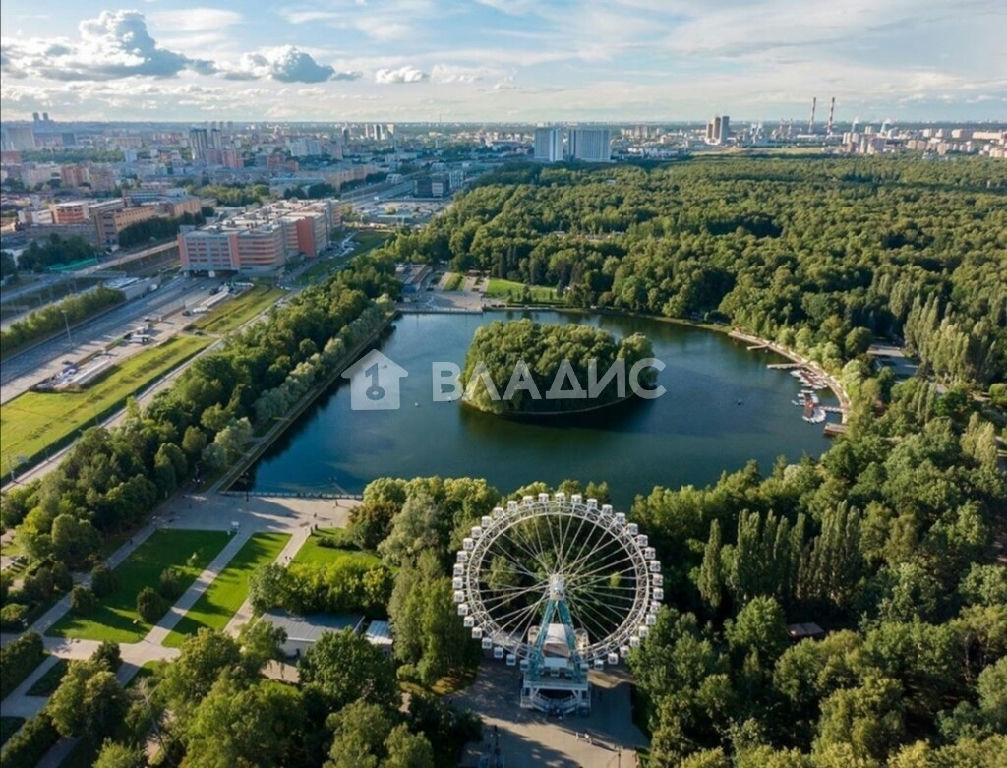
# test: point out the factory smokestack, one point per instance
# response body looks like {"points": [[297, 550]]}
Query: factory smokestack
{"points": [[832, 113], [811, 122]]}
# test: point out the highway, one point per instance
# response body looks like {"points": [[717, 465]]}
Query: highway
{"points": [[26, 368]]}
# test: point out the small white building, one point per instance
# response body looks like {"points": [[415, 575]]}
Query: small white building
{"points": [[304, 631]]}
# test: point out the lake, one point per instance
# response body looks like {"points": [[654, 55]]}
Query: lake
{"points": [[722, 407]]}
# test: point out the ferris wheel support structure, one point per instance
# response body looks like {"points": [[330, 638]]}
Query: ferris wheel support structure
{"points": [[557, 585]]}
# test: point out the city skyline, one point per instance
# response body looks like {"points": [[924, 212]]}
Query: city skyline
{"points": [[494, 60]]}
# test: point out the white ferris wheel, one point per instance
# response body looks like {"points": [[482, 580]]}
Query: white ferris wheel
{"points": [[558, 585]]}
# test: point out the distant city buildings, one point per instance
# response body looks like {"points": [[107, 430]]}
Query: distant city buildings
{"points": [[718, 130], [260, 240]]}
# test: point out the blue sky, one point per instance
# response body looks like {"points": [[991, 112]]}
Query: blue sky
{"points": [[503, 60]]}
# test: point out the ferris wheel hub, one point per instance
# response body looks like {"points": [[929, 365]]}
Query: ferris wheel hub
{"points": [[557, 590]]}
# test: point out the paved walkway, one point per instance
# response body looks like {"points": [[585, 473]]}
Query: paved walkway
{"points": [[296, 516], [161, 630]]}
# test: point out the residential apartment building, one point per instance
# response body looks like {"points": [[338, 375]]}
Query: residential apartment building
{"points": [[260, 240], [593, 145], [549, 145]]}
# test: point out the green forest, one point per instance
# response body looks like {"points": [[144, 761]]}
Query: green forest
{"points": [[523, 367], [816, 253]]}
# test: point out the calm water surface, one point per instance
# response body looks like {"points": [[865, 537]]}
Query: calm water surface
{"points": [[689, 436]]}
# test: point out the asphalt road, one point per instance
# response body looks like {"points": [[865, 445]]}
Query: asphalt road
{"points": [[21, 371]]}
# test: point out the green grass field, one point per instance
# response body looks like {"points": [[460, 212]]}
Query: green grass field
{"points": [[35, 421], [229, 590], [239, 310], [115, 618], [509, 290], [313, 553], [453, 281]]}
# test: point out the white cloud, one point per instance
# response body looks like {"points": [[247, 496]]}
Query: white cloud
{"points": [[195, 19], [406, 74], [113, 45], [286, 64], [445, 73]]}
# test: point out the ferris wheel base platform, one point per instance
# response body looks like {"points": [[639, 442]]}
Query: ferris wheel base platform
{"points": [[556, 696]]}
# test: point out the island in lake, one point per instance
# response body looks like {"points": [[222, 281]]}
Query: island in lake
{"points": [[527, 369]]}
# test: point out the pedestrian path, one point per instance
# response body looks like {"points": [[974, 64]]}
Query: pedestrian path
{"points": [[18, 703], [161, 630]]}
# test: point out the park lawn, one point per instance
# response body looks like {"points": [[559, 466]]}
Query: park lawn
{"points": [[239, 310], [228, 591], [453, 281], [313, 553], [499, 288], [34, 421], [115, 618], [369, 240], [9, 726]]}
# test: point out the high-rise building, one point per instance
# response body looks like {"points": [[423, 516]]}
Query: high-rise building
{"points": [[718, 129], [549, 145], [593, 145], [199, 142]]}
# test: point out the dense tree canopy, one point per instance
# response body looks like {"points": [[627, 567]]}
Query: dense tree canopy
{"points": [[818, 253], [523, 367]]}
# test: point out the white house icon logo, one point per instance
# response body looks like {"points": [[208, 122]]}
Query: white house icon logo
{"points": [[374, 383]]}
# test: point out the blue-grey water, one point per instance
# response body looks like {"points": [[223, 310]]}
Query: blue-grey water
{"points": [[692, 434]]}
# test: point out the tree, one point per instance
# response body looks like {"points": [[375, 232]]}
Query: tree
{"points": [[150, 605], [103, 580], [89, 702], [344, 666], [407, 750], [116, 755], [359, 733], [710, 580], [257, 725], [418, 527], [82, 600], [73, 540], [108, 653], [204, 657], [370, 523], [868, 718], [760, 627]]}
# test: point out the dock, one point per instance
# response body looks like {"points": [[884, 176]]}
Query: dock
{"points": [[832, 429], [784, 366], [754, 347]]}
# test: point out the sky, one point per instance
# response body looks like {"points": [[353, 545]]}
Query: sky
{"points": [[504, 60]]}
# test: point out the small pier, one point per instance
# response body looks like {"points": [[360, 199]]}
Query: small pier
{"points": [[832, 429], [784, 366], [757, 346]]}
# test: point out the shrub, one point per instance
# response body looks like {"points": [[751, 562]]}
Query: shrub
{"points": [[170, 585], [18, 659], [150, 605], [82, 600], [26, 747], [12, 616], [109, 653], [103, 580]]}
